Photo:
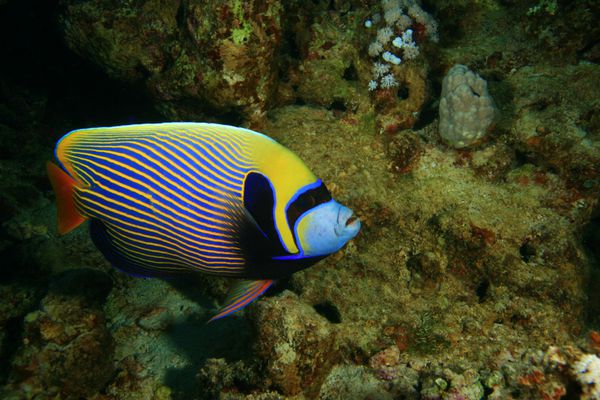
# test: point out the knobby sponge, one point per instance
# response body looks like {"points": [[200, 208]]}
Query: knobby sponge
{"points": [[466, 108]]}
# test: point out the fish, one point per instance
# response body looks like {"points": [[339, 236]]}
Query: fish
{"points": [[171, 198]]}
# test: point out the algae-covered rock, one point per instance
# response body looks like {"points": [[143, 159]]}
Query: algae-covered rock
{"points": [[195, 58], [555, 123], [493, 162], [443, 263], [353, 382], [399, 107], [404, 150], [218, 376], [332, 72]]}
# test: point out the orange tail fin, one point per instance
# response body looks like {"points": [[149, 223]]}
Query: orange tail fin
{"points": [[63, 184]]}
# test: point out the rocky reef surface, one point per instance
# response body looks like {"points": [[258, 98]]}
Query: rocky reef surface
{"points": [[476, 274]]}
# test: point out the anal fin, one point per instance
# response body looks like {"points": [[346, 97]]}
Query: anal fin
{"points": [[240, 295]]}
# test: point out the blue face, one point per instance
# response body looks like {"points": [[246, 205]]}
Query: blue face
{"points": [[326, 228], [321, 225]]}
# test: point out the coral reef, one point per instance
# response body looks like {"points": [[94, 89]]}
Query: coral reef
{"points": [[353, 381], [476, 274], [396, 36], [330, 73], [587, 372], [396, 71], [562, 137]]}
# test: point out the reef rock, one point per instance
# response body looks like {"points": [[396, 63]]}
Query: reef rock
{"points": [[297, 344], [556, 122]]}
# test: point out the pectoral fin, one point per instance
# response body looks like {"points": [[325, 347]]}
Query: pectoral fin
{"points": [[240, 295]]}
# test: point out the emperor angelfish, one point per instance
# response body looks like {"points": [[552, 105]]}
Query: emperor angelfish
{"points": [[177, 197]]}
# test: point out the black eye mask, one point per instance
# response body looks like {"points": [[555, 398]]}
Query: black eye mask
{"points": [[304, 202]]}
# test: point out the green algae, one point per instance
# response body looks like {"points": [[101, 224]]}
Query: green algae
{"points": [[547, 6], [242, 34]]}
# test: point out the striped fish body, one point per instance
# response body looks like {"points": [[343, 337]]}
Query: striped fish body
{"points": [[163, 192], [180, 197]]}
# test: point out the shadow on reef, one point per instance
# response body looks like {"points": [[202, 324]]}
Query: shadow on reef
{"points": [[228, 338], [45, 91], [591, 243], [40, 99]]}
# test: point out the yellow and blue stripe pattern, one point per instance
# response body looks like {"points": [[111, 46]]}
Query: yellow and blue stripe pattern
{"points": [[163, 191], [180, 197]]}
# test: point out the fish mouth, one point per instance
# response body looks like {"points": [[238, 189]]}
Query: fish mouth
{"points": [[351, 226], [353, 218], [347, 223]]}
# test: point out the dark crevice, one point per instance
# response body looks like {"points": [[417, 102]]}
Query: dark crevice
{"points": [[10, 344], [329, 311], [591, 244], [74, 92], [279, 286], [521, 158], [428, 114], [527, 251], [487, 391], [350, 73], [403, 93], [574, 391], [482, 290], [591, 239], [338, 105], [92, 286], [290, 45], [331, 6]]}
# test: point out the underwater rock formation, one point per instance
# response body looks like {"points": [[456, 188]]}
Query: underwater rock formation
{"points": [[297, 344], [556, 122], [330, 73]]}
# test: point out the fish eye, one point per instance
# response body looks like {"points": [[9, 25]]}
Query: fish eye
{"points": [[309, 201]]}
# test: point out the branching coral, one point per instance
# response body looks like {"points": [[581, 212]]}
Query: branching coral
{"points": [[394, 41]]}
